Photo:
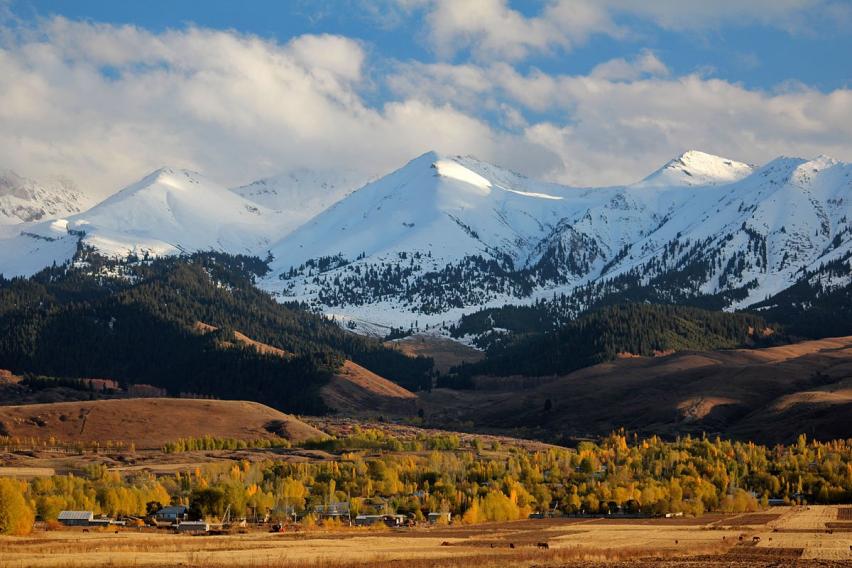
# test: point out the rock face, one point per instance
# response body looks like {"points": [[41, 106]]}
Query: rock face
{"points": [[23, 200]]}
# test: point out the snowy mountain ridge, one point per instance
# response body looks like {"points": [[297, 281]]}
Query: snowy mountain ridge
{"points": [[444, 236], [170, 211], [24, 200], [300, 194]]}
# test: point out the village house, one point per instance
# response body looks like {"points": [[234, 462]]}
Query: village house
{"points": [[170, 515]]}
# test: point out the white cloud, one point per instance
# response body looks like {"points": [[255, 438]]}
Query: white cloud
{"points": [[492, 30], [620, 69], [105, 104], [628, 116]]}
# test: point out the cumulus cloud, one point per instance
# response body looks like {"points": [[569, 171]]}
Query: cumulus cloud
{"points": [[492, 29], [620, 69], [104, 104], [627, 116]]}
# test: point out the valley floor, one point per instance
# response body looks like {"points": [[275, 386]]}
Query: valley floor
{"points": [[806, 536]]}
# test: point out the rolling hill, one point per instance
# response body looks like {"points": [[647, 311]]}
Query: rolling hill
{"points": [[766, 395], [151, 422]]}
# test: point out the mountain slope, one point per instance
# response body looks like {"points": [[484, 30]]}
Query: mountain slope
{"points": [[445, 236], [139, 323], [170, 211], [299, 195], [23, 200], [764, 395]]}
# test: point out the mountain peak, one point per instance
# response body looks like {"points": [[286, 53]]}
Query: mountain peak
{"points": [[695, 167], [455, 170], [168, 174]]}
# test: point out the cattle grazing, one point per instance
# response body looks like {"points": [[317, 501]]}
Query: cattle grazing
{"points": [[755, 539], [511, 545], [543, 545], [445, 543]]}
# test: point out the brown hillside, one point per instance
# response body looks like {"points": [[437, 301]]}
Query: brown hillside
{"points": [[151, 422], [356, 390], [446, 353], [242, 339], [767, 395], [353, 390]]}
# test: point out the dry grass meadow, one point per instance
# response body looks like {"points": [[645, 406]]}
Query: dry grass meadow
{"points": [[787, 536]]}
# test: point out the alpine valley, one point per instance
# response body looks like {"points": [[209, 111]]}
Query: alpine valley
{"points": [[441, 274]]}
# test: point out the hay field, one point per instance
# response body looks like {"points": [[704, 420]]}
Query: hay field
{"points": [[786, 535]]}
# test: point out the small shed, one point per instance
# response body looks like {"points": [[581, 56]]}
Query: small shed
{"points": [[369, 520], [440, 518], [193, 527]]}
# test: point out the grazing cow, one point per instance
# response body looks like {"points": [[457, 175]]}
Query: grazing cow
{"points": [[676, 542], [543, 545], [511, 545], [492, 545], [445, 543], [755, 539]]}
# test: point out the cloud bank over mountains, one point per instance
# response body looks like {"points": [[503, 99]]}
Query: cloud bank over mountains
{"points": [[103, 103]]}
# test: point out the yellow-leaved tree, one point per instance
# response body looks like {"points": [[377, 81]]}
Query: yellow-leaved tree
{"points": [[16, 516]]}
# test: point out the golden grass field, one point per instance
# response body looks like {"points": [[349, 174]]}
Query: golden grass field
{"points": [[788, 536]]}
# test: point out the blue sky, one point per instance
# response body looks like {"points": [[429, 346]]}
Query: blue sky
{"points": [[758, 55], [578, 91]]}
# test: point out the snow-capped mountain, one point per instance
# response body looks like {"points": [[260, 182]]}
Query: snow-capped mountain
{"points": [[444, 236], [168, 212], [300, 194], [24, 200]]}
